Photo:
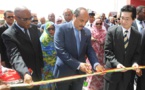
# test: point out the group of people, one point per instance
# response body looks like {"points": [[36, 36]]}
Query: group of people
{"points": [[71, 48]]}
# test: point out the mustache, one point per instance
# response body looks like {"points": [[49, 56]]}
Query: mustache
{"points": [[81, 26]]}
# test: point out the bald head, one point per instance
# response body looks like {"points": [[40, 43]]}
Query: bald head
{"points": [[51, 17], [23, 16], [18, 10], [68, 14]]}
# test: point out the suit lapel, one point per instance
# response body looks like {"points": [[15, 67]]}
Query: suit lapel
{"points": [[32, 35], [20, 33], [5, 26], [131, 41], [135, 25], [33, 38], [73, 38], [120, 38], [82, 40]]}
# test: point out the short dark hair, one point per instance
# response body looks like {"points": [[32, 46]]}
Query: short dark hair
{"points": [[139, 9], [77, 11], [129, 8], [7, 11]]}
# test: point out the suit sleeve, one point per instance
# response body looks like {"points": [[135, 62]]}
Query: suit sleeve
{"points": [[41, 56], [109, 54], [59, 41], [136, 56], [2, 48], [91, 53], [14, 55]]}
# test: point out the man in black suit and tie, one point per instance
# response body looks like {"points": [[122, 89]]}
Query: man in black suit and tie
{"points": [[139, 25], [23, 47], [140, 17], [9, 20], [122, 49]]}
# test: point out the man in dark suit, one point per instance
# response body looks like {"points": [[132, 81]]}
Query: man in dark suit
{"points": [[23, 47], [122, 49], [141, 80], [9, 20], [138, 24], [141, 28], [140, 17], [72, 42]]}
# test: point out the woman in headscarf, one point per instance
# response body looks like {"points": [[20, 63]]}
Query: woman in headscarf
{"points": [[49, 54], [98, 39]]}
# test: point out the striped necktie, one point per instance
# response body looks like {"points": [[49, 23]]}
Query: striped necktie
{"points": [[125, 40]]}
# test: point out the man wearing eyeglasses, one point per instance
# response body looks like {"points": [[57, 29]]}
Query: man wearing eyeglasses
{"points": [[23, 47], [9, 20]]}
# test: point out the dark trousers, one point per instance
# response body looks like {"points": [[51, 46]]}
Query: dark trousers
{"points": [[141, 83], [25, 88], [76, 84], [117, 86]]}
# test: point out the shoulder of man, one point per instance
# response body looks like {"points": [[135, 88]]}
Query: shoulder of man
{"points": [[64, 26], [113, 28], [134, 29], [9, 30], [3, 27]]}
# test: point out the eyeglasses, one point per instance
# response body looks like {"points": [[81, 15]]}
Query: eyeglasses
{"points": [[25, 19], [34, 20], [98, 23], [10, 17], [50, 29]]}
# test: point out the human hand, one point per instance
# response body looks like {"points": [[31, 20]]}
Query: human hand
{"points": [[4, 87], [100, 68], [135, 66], [85, 67], [121, 66], [93, 39], [137, 69], [28, 79], [3, 63]]}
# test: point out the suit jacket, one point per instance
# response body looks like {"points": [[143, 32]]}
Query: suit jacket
{"points": [[22, 52], [141, 80], [68, 59], [115, 53], [135, 25], [3, 48]]}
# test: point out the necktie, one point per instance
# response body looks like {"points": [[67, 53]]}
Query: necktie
{"points": [[26, 33], [91, 25], [78, 41], [125, 40], [141, 26]]}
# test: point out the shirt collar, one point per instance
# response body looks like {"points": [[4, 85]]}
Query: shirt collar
{"points": [[8, 24], [126, 29], [74, 26], [137, 21], [20, 27]]}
